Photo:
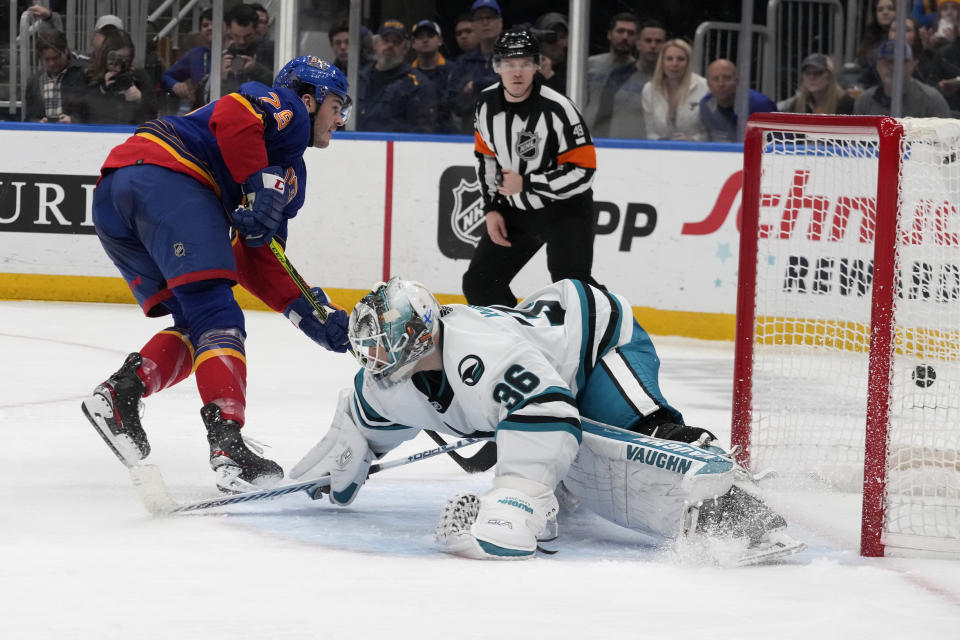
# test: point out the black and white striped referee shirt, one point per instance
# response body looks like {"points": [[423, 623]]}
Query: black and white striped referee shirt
{"points": [[543, 138]]}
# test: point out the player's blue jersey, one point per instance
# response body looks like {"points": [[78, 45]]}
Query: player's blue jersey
{"points": [[224, 142]]}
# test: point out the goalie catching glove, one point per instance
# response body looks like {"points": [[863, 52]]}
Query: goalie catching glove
{"points": [[261, 214], [330, 333], [343, 454], [505, 523]]}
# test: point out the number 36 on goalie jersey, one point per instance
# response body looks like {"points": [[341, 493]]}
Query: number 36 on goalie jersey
{"points": [[523, 369]]}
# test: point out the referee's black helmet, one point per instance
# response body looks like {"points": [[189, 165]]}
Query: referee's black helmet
{"points": [[516, 43]]}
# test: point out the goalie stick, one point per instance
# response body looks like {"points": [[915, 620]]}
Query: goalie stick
{"points": [[153, 493], [483, 459]]}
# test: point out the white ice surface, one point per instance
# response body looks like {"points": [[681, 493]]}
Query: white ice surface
{"points": [[80, 558]]}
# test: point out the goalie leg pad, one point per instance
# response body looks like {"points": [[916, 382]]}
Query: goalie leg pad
{"points": [[645, 483]]}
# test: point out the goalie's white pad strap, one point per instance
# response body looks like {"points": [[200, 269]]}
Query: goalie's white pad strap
{"points": [[644, 483]]}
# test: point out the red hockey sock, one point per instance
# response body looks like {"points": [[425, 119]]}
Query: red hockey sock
{"points": [[221, 369], [167, 359]]}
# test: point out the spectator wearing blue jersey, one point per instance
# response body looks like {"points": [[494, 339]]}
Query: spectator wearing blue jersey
{"points": [[717, 107], [189, 77], [392, 95], [430, 61], [473, 71]]}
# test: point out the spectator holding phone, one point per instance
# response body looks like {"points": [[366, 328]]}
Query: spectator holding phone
{"points": [[53, 92], [244, 60]]}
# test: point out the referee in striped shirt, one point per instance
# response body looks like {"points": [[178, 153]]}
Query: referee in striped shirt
{"points": [[536, 163]]}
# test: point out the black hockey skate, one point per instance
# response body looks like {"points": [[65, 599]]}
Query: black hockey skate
{"points": [[114, 411], [742, 516], [238, 468]]}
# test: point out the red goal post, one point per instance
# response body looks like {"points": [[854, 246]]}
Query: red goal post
{"points": [[847, 355]]}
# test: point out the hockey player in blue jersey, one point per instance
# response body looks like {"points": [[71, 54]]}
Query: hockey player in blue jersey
{"points": [[567, 382], [186, 208]]}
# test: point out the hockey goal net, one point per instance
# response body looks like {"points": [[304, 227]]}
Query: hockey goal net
{"points": [[847, 369]]}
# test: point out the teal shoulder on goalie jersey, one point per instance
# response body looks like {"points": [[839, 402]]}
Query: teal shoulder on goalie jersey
{"points": [[666, 454]]}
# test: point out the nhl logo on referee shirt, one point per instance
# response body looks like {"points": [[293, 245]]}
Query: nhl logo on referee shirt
{"points": [[460, 213], [528, 145]]}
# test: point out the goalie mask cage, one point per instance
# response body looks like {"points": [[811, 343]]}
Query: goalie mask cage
{"points": [[847, 357]]}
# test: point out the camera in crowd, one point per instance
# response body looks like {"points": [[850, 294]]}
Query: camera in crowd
{"points": [[237, 62], [123, 79]]}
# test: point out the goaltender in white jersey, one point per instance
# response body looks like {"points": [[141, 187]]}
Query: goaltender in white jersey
{"points": [[567, 382]]}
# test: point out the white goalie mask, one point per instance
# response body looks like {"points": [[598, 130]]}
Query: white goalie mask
{"points": [[392, 327]]}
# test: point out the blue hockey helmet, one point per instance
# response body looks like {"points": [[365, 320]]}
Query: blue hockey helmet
{"points": [[319, 74]]}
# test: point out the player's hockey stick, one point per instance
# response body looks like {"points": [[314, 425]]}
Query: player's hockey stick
{"points": [[297, 279], [152, 490], [483, 459]]}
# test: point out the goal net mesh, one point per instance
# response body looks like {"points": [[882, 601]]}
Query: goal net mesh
{"points": [[813, 301]]}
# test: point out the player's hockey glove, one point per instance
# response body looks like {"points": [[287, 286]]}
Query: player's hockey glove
{"points": [[261, 214], [331, 334]]}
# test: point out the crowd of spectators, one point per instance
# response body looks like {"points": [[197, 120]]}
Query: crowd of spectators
{"points": [[643, 86]]}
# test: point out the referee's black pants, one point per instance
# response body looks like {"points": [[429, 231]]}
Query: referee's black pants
{"points": [[565, 226]]}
